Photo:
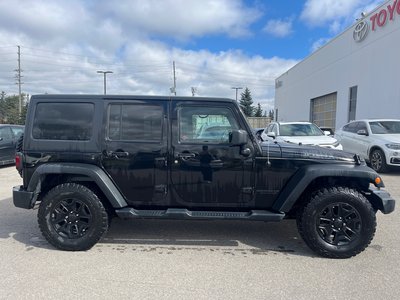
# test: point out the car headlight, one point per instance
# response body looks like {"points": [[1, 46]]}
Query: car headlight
{"points": [[336, 144], [393, 146]]}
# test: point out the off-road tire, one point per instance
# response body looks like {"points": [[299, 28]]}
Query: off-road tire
{"points": [[71, 217], [337, 222], [377, 160]]}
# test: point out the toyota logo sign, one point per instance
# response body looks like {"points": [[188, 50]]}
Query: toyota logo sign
{"points": [[360, 31]]}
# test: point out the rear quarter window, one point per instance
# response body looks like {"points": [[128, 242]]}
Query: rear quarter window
{"points": [[63, 121]]}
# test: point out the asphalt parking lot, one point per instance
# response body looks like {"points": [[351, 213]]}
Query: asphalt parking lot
{"points": [[151, 259]]}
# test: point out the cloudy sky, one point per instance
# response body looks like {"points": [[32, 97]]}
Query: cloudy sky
{"points": [[216, 44]]}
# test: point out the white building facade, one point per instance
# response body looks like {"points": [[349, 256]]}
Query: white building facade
{"points": [[354, 76]]}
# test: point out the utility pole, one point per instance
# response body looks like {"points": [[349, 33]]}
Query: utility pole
{"points": [[18, 77], [173, 66], [237, 88], [105, 79]]}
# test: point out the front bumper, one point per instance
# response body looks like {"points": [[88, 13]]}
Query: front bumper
{"points": [[393, 157], [23, 198], [382, 200]]}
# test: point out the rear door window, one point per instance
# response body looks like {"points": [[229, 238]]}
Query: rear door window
{"points": [[351, 127], [135, 122]]}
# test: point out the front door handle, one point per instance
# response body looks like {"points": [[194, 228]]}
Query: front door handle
{"points": [[186, 155]]}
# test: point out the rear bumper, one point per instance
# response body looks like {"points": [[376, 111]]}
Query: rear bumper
{"points": [[382, 200], [23, 198]]}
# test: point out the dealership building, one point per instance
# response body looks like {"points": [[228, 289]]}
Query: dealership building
{"points": [[354, 76]]}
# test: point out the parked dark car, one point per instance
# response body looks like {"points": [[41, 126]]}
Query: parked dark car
{"points": [[9, 135]]}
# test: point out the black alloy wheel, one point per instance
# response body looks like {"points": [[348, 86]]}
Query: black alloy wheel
{"points": [[71, 217], [339, 224]]}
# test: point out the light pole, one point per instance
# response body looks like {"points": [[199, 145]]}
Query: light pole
{"points": [[105, 80], [237, 88]]}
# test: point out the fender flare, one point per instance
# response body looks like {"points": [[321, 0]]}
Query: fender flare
{"points": [[298, 183], [98, 175]]}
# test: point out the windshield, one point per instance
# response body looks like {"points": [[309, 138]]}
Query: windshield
{"points": [[385, 127], [299, 130]]}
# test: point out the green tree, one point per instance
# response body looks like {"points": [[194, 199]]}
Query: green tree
{"points": [[271, 114], [9, 110], [246, 103], [259, 111]]}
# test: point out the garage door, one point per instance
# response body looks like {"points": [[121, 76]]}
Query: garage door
{"points": [[323, 110]]}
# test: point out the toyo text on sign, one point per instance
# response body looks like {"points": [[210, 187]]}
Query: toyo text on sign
{"points": [[386, 13]]}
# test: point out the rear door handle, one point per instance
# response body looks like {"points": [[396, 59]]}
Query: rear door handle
{"points": [[117, 154]]}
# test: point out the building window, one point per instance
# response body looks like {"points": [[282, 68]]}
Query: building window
{"points": [[352, 103], [323, 111]]}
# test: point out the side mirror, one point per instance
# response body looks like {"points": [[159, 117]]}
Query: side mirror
{"points": [[362, 132], [271, 134], [238, 138], [327, 133]]}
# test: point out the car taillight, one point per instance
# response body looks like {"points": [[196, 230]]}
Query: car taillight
{"points": [[18, 161]]}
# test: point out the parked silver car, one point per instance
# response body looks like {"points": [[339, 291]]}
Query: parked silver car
{"points": [[304, 133], [377, 141]]}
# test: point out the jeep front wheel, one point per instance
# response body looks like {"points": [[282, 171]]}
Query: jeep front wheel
{"points": [[337, 222], [71, 217]]}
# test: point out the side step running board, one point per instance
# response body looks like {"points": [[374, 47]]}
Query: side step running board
{"points": [[181, 213]]}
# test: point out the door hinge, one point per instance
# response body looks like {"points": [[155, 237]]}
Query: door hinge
{"points": [[161, 162]]}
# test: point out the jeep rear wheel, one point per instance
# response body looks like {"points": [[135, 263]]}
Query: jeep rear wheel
{"points": [[71, 217], [337, 222]]}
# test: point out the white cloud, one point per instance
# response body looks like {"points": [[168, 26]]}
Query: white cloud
{"points": [[279, 28], [366, 7], [320, 12], [335, 27], [65, 43], [319, 43], [336, 14], [181, 19]]}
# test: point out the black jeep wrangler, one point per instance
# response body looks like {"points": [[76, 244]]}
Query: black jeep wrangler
{"points": [[86, 159]]}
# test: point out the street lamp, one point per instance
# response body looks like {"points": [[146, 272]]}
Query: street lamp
{"points": [[237, 88], [105, 82]]}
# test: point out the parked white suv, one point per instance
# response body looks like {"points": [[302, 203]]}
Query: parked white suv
{"points": [[378, 141], [304, 133]]}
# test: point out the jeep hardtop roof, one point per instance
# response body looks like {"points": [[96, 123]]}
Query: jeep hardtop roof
{"points": [[127, 97]]}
